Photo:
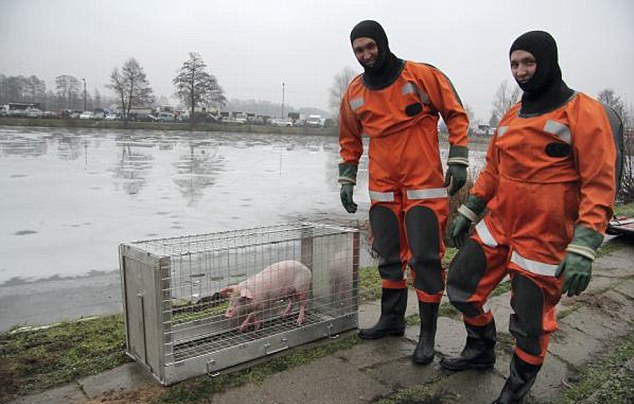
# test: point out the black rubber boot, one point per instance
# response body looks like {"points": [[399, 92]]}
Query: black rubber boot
{"points": [[478, 353], [424, 352], [520, 380], [392, 320]]}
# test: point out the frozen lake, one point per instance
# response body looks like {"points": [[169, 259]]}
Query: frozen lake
{"points": [[70, 197]]}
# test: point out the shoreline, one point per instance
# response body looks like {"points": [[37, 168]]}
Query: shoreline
{"points": [[193, 127]]}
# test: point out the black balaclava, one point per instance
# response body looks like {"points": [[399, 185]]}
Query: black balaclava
{"points": [[546, 90], [387, 66]]}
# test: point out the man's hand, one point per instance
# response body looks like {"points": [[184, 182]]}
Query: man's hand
{"points": [[455, 178], [460, 230], [346, 198], [578, 272]]}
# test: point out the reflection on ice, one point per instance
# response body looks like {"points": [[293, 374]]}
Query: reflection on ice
{"points": [[70, 196]]}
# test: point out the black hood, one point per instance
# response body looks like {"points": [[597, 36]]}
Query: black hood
{"points": [[387, 66], [546, 90]]}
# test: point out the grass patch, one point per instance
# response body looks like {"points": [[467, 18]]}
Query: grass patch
{"points": [[612, 245], [610, 379], [38, 359], [501, 288], [420, 394], [561, 314], [202, 389], [447, 310], [624, 210], [369, 284]]}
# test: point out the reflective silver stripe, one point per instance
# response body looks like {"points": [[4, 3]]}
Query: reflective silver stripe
{"points": [[485, 234], [535, 267], [356, 103], [411, 88], [424, 98], [430, 193], [558, 129], [382, 196], [501, 130], [408, 88]]}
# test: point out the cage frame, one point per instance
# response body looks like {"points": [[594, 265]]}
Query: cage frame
{"points": [[148, 309]]}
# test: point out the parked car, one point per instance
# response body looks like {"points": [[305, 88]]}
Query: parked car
{"points": [[85, 115], [33, 113], [166, 117], [111, 117], [281, 122], [314, 121]]}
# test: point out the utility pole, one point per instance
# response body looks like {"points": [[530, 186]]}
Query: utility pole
{"points": [[282, 100], [84, 93]]}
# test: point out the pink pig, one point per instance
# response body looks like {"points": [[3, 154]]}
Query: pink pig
{"points": [[281, 280]]}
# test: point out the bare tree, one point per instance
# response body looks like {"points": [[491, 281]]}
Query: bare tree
{"points": [[35, 89], [505, 97], [196, 87], [131, 86], [339, 85], [67, 89], [609, 98]]}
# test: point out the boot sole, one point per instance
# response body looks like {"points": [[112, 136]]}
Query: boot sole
{"points": [[386, 334], [425, 361]]}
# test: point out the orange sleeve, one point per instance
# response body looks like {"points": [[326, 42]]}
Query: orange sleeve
{"points": [[595, 154], [444, 97], [351, 144]]}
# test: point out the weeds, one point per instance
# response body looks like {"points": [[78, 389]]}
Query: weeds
{"points": [[39, 359]]}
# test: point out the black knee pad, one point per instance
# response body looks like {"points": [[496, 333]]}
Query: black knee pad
{"points": [[421, 224], [465, 272], [526, 321], [387, 243]]}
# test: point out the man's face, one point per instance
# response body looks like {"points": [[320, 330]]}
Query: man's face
{"points": [[523, 65], [366, 51]]}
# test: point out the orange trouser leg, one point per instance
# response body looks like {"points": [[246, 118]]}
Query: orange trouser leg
{"points": [[425, 222], [388, 239], [473, 274], [534, 300]]}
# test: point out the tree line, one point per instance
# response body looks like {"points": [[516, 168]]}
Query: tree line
{"points": [[194, 86]]}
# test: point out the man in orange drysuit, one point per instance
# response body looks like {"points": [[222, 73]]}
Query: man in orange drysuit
{"points": [[397, 103], [549, 186]]}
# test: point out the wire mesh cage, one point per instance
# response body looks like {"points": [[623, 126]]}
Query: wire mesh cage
{"points": [[202, 303]]}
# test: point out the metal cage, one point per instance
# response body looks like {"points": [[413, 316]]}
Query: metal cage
{"points": [[175, 318]]}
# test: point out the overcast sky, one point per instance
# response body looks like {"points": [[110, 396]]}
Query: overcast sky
{"points": [[252, 46]]}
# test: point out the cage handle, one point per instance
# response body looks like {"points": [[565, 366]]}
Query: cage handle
{"points": [[212, 363], [329, 328], [283, 348]]}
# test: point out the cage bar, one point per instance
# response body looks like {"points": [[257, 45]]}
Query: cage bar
{"points": [[176, 305]]}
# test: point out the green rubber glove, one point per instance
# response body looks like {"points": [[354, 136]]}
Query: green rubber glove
{"points": [[346, 198], [460, 230], [577, 265], [467, 213], [455, 178], [457, 164], [347, 179], [578, 270]]}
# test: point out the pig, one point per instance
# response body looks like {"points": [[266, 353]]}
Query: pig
{"points": [[282, 280]]}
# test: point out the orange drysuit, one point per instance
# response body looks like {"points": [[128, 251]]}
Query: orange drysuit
{"points": [[409, 202], [544, 175]]}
